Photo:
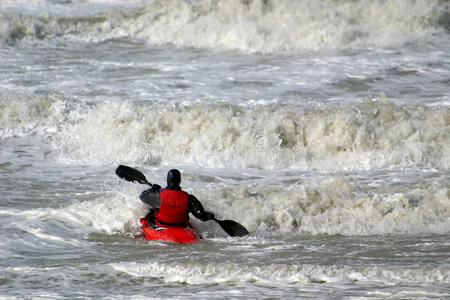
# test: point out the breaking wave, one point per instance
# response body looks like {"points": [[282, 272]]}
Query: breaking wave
{"points": [[250, 26], [371, 134]]}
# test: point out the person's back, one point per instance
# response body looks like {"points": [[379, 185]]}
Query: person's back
{"points": [[173, 210], [171, 206]]}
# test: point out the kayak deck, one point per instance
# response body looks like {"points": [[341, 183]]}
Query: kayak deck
{"points": [[177, 235]]}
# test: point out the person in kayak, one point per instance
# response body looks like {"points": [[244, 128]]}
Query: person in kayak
{"points": [[171, 206]]}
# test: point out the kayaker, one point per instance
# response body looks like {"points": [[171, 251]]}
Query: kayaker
{"points": [[171, 206]]}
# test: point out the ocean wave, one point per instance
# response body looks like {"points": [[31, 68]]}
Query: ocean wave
{"points": [[249, 26], [371, 134], [336, 206], [278, 274]]}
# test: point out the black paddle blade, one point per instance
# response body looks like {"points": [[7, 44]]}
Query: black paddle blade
{"points": [[232, 228], [131, 174]]}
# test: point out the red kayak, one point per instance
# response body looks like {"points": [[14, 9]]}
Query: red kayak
{"points": [[177, 235]]}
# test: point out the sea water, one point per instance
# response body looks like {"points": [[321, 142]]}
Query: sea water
{"points": [[323, 127]]}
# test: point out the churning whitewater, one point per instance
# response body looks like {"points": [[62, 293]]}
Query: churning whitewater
{"points": [[322, 126], [249, 26]]}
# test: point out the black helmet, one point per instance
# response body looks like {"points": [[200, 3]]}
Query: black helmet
{"points": [[173, 178]]}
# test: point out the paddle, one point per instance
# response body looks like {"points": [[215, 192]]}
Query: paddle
{"points": [[229, 226], [233, 228], [131, 174]]}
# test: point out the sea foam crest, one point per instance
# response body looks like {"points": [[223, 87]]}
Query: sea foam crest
{"points": [[336, 206], [277, 274], [370, 134], [249, 26], [363, 136]]}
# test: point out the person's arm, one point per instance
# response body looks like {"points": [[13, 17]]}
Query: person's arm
{"points": [[196, 208], [151, 196]]}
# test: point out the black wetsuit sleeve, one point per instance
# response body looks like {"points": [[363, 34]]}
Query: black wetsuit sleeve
{"points": [[151, 196], [196, 208]]}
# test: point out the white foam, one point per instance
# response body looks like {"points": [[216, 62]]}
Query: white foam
{"points": [[335, 206], [279, 274], [250, 26], [371, 134], [285, 25], [112, 213], [376, 134]]}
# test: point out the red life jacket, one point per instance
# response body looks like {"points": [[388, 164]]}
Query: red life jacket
{"points": [[173, 210]]}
